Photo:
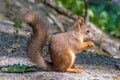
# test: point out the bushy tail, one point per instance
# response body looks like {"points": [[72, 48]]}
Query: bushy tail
{"points": [[38, 39]]}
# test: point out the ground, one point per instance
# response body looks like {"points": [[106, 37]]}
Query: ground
{"points": [[13, 51]]}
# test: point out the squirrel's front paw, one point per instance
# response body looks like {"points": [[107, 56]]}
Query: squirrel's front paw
{"points": [[90, 43]]}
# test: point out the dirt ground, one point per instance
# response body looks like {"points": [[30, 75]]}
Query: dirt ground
{"points": [[13, 51]]}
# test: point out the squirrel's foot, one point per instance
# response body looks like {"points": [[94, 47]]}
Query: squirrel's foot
{"points": [[74, 70], [77, 66]]}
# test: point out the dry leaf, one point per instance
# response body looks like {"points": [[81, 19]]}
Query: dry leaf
{"points": [[15, 46]]}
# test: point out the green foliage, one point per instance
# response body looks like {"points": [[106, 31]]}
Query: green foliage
{"points": [[17, 68], [76, 6], [17, 25], [105, 15]]}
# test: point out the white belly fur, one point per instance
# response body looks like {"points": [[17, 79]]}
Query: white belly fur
{"points": [[73, 57]]}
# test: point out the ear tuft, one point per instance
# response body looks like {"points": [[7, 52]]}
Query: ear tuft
{"points": [[77, 26], [80, 20]]}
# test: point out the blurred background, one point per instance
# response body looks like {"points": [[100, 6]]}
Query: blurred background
{"points": [[104, 13], [103, 17]]}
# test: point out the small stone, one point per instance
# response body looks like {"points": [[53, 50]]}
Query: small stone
{"points": [[117, 66]]}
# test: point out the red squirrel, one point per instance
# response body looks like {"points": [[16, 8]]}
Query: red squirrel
{"points": [[62, 47]]}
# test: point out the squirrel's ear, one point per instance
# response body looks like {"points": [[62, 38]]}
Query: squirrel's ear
{"points": [[77, 26], [80, 20]]}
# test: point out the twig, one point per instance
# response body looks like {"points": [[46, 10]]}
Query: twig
{"points": [[60, 26], [86, 10], [64, 11]]}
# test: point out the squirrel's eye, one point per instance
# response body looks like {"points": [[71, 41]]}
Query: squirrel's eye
{"points": [[88, 31]]}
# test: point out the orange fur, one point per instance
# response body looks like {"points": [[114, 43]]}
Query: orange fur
{"points": [[63, 47]]}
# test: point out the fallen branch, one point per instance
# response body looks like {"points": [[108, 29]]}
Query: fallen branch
{"points": [[107, 43]]}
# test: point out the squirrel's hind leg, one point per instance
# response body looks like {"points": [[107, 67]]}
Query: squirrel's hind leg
{"points": [[67, 61]]}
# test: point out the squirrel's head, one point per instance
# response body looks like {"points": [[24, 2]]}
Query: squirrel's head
{"points": [[82, 30]]}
